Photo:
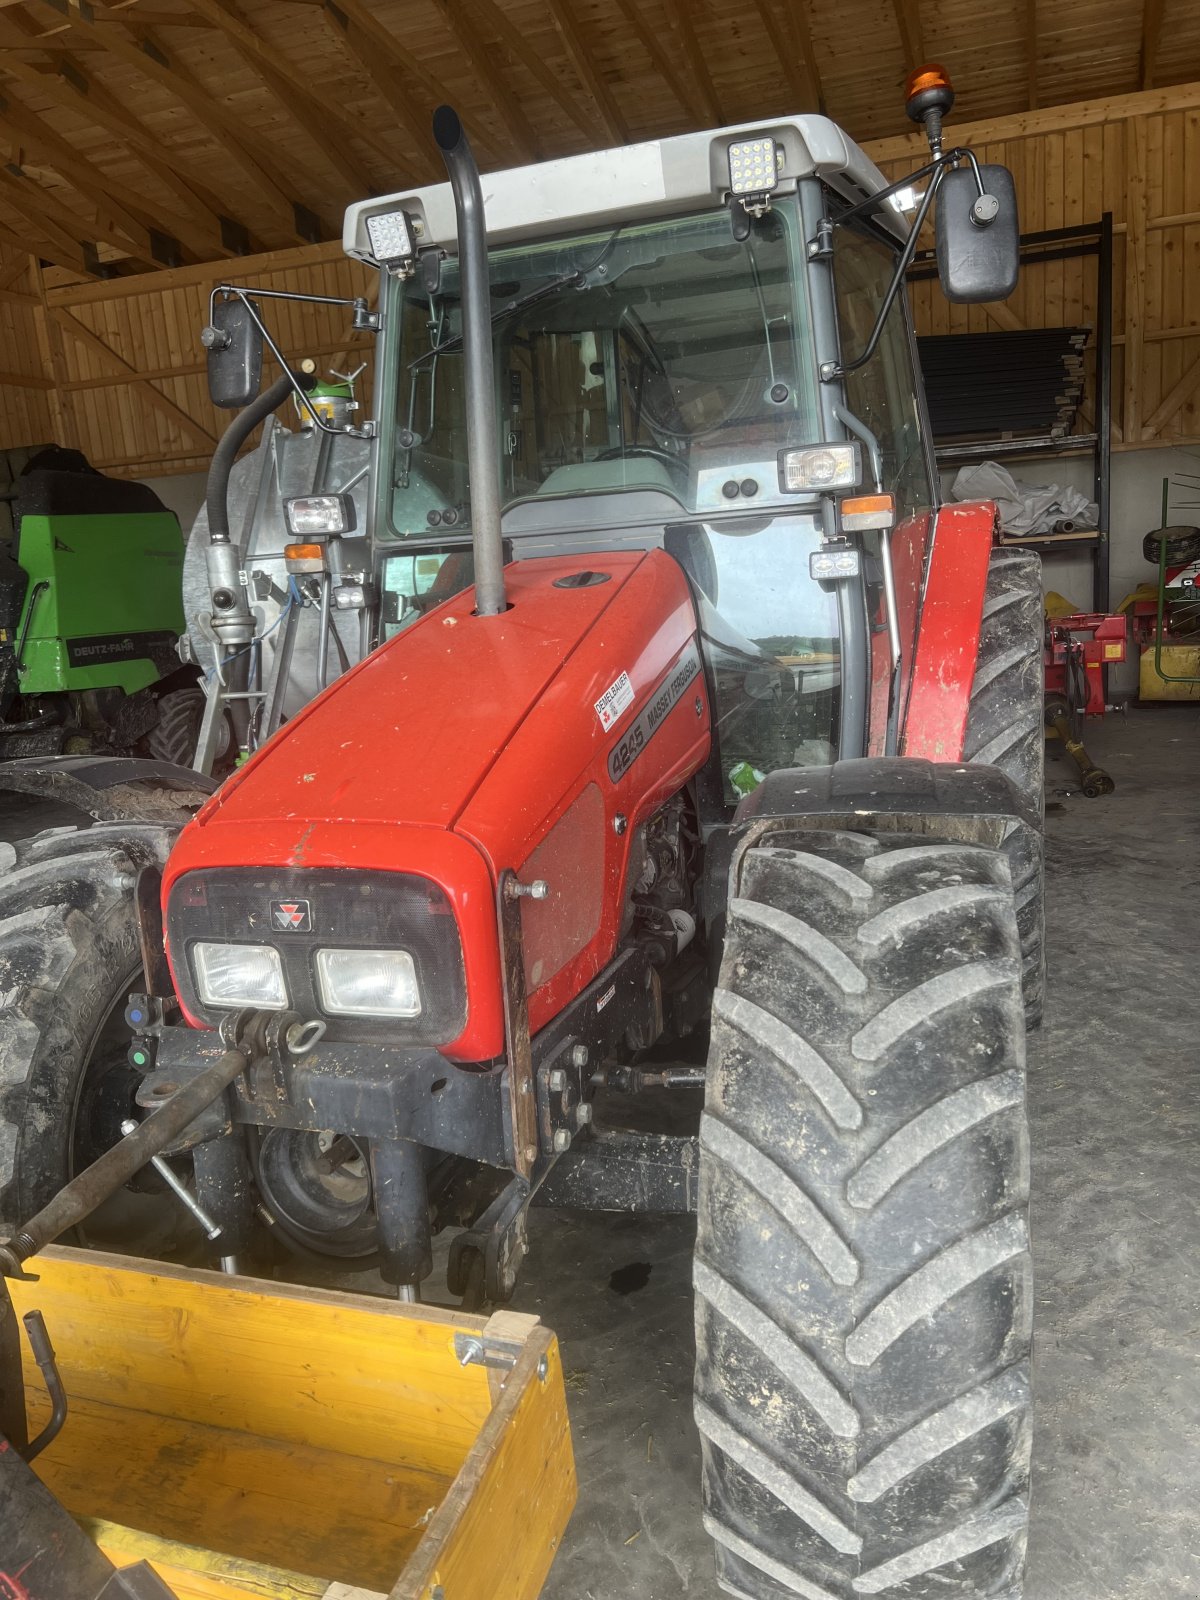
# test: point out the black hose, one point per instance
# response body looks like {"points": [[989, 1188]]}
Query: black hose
{"points": [[216, 492]]}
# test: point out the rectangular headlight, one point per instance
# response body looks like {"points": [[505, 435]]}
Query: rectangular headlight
{"points": [[819, 468], [753, 165], [368, 983], [232, 975], [312, 514]]}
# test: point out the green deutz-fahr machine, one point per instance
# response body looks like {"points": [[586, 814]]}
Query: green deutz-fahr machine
{"points": [[90, 616]]}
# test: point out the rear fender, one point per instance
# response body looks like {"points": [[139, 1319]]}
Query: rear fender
{"points": [[111, 788]]}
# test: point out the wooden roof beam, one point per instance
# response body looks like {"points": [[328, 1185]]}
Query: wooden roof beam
{"points": [[581, 57], [783, 51], [653, 46], [147, 55], [70, 86], [679, 13], [301, 105], [1152, 20], [457, 17], [65, 247], [389, 83], [802, 33], [33, 199], [381, 38], [149, 241], [518, 47], [912, 36]]}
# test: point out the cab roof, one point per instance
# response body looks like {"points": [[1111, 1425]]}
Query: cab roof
{"points": [[663, 177]]}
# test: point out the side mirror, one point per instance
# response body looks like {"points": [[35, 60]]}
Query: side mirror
{"points": [[234, 343], [978, 235]]}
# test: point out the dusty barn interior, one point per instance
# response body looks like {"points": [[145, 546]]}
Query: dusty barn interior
{"points": [[599, 675]]}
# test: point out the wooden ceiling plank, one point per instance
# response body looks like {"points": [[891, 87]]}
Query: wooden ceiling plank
{"points": [[912, 37], [461, 27], [591, 79], [82, 94], [1152, 20], [311, 115], [154, 396], [678, 13], [518, 47], [653, 46], [781, 49], [388, 79]]}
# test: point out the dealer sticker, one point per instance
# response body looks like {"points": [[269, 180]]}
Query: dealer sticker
{"points": [[616, 698]]}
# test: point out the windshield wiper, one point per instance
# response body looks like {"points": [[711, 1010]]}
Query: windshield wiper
{"points": [[543, 292]]}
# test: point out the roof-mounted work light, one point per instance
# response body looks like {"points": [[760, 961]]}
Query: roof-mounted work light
{"points": [[754, 170], [392, 240]]}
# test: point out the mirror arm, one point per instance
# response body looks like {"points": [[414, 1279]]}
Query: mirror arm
{"points": [[833, 370], [241, 294]]}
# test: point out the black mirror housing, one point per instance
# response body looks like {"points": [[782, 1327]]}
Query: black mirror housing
{"points": [[978, 261], [234, 343]]}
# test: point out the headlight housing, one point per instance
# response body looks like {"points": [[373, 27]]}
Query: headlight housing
{"points": [[368, 983], [229, 976]]}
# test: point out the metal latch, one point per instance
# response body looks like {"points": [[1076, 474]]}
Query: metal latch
{"points": [[474, 1351]]}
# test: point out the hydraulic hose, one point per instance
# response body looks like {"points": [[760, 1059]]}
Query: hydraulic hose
{"points": [[216, 491], [483, 464]]}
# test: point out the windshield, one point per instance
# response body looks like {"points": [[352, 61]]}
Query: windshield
{"points": [[666, 357]]}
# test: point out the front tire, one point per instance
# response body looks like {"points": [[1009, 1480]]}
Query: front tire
{"points": [[69, 955], [862, 1269]]}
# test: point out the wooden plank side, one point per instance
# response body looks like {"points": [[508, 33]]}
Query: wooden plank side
{"points": [[302, 1366], [497, 1531]]}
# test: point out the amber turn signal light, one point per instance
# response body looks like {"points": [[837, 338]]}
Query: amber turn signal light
{"points": [[862, 512]]}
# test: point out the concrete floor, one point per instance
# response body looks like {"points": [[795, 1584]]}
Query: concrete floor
{"points": [[1116, 1183]]}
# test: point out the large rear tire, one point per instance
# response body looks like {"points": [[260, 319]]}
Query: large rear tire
{"points": [[863, 1297], [1006, 729], [69, 955]]}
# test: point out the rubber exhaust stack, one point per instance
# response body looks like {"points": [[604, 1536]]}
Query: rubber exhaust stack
{"points": [[483, 464]]}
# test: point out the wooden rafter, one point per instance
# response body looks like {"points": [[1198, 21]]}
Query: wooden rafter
{"points": [[519, 48], [1152, 20], [388, 79], [147, 55], [781, 48], [798, 11], [152, 395], [652, 44], [432, 92], [300, 104], [457, 17], [42, 236], [680, 14], [912, 37], [72, 87], [25, 194], [581, 57]]}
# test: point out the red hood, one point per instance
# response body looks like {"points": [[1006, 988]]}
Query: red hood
{"points": [[370, 751]]}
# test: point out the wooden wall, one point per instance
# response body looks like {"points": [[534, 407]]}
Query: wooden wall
{"points": [[116, 368]]}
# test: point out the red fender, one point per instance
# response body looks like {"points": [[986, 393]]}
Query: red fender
{"points": [[947, 643]]}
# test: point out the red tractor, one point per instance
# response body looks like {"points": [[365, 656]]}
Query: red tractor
{"points": [[690, 714]]}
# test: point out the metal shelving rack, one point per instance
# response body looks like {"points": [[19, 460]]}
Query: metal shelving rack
{"points": [[1060, 244]]}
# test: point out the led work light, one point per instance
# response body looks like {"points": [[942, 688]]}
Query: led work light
{"points": [[754, 165], [391, 238]]}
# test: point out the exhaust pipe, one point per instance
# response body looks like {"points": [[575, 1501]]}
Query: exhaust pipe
{"points": [[483, 466]]}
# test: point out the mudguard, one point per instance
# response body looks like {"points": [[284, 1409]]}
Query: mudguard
{"points": [[111, 788]]}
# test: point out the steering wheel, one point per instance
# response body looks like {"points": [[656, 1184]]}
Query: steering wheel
{"points": [[620, 451]]}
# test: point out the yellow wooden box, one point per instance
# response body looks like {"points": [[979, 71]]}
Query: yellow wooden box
{"points": [[262, 1441]]}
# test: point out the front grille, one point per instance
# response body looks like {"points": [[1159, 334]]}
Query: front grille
{"points": [[332, 909]]}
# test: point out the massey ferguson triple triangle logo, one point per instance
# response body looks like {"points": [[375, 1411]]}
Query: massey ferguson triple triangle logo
{"points": [[291, 916]]}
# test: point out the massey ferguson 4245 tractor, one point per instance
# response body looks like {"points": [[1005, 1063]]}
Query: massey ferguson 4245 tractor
{"points": [[688, 711]]}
